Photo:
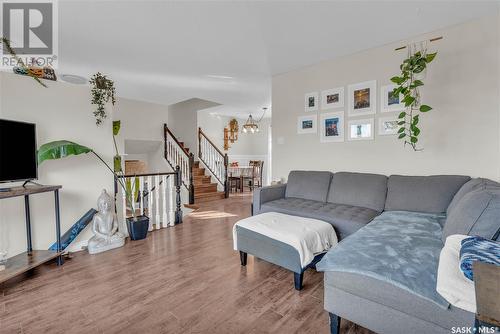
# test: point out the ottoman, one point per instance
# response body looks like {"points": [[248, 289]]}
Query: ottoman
{"points": [[294, 243]]}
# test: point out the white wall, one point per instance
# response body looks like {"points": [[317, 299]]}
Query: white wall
{"points": [[182, 121], [460, 136], [249, 146], [142, 121], [62, 111]]}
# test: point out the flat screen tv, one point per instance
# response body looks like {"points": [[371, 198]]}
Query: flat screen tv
{"points": [[17, 151]]}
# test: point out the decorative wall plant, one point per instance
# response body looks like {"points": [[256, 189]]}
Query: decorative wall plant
{"points": [[20, 64], [103, 90], [408, 83]]}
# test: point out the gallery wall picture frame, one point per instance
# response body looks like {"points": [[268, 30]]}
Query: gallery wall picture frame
{"points": [[388, 102], [388, 126], [332, 98], [362, 98], [361, 129], [307, 124], [332, 127], [311, 101]]}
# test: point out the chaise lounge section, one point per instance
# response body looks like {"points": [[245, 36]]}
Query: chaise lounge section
{"points": [[382, 275]]}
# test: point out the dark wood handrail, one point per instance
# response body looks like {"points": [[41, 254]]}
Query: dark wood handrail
{"points": [[224, 156], [146, 174], [167, 130], [200, 131]]}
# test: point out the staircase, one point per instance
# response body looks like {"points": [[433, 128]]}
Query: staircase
{"points": [[204, 189], [196, 179]]}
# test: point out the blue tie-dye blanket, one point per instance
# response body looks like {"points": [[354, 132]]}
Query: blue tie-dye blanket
{"points": [[478, 249], [398, 247]]}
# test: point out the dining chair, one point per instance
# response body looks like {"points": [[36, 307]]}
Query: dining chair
{"points": [[254, 180]]}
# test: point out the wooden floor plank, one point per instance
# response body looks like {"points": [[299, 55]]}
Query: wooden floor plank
{"points": [[183, 279]]}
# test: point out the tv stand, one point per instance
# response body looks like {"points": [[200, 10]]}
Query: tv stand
{"points": [[32, 258], [6, 190]]}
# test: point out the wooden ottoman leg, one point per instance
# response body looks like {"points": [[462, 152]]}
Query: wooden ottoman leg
{"points": [[297, 280], [243, 258], [334, 323]]}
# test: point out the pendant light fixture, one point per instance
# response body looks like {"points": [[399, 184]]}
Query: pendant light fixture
{"points": [[251, 125]]}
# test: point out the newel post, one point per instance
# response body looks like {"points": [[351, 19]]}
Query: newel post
{"points": [[165, 135], [226, 183], [199, 142], [178, 184], [191, 182]]}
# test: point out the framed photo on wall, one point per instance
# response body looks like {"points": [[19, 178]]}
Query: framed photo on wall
{"points": [[311, 101], [362, 98], [360, 129], [332, 127], [387, 126], [332, 98], [388, 101], [307, 124]]}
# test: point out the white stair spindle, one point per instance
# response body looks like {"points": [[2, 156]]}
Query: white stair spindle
{"points": [[163, 186], [171, 197], [141, 195], [124, 202], [150, 204], [157, 202]]}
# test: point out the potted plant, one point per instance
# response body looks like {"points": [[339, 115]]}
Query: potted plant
{"points": [[137, 226], [408, 83], [103, 90]]}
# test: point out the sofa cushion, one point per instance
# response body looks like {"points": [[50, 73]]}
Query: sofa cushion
{"points": [[308, 185], [400, 248], [466, 188], [429, 194], [292, 206], [477, 213], [346, 219], [358, 189]]}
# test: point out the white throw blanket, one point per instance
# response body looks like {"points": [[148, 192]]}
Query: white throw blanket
{"points": [[309, 237], [451, 282]]}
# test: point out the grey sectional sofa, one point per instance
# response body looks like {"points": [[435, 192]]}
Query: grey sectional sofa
{"points": [[382, 274]]}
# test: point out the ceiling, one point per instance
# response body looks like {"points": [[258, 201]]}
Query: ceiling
{"points": [[226, 52]]}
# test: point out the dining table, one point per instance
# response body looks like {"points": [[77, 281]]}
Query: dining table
{"points": [[240, 172]]}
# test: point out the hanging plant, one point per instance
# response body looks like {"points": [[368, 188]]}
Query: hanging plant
{"points": [[408, 83], [103, 90], [19, 61]]}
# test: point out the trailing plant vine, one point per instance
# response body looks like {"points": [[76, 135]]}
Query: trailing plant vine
{"points": [[103, 90], [408, 84], [18, 59]]}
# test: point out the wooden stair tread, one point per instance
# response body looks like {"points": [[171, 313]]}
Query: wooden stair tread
{"points": [[216, 194]]}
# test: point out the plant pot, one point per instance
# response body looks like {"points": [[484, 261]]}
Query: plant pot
{"points": [[101, 83], [138, 227]]}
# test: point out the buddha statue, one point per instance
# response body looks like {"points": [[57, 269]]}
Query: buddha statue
{"points": [[105, 227]]}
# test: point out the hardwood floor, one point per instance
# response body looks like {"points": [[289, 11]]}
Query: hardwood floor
{"points": [[184, 279]]}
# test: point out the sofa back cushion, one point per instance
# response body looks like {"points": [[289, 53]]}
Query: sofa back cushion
{"points": [[476, 214], [308, 185], [430, 194], [358, 189], [466, 188]]}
